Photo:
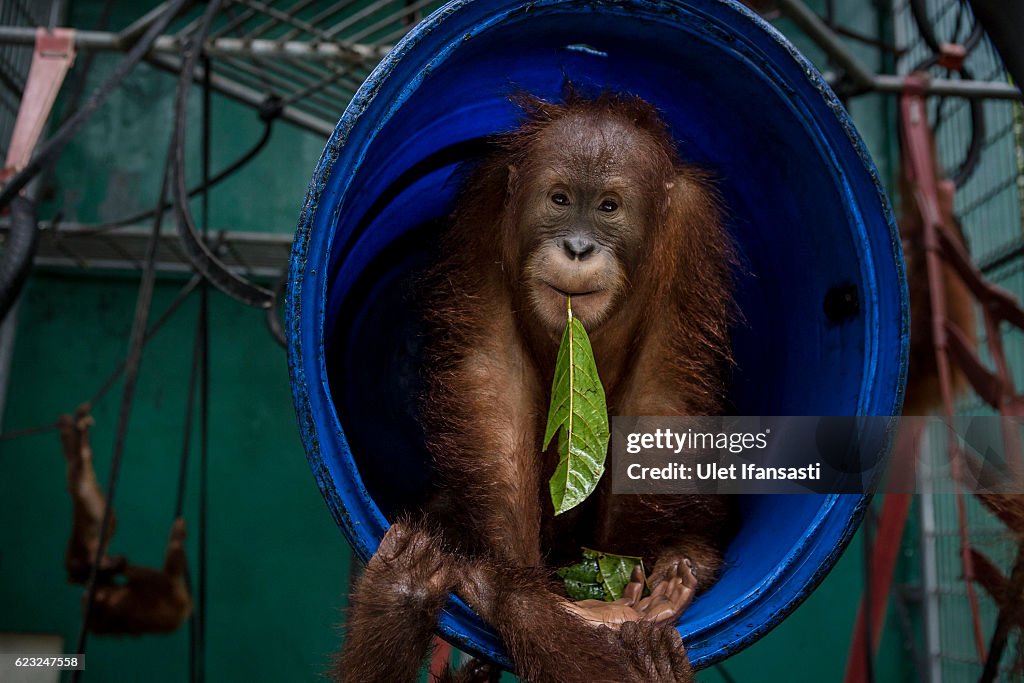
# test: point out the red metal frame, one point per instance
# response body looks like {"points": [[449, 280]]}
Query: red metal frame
{"points": [[952, 349]]}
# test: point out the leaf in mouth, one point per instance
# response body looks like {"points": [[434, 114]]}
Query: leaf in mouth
{"points": [[579, 415]]}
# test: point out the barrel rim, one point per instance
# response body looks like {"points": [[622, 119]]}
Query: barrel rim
{"points": [[314, 407]]}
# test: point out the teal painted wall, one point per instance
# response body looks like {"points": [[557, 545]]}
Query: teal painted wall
{"points": [[277, 566]]}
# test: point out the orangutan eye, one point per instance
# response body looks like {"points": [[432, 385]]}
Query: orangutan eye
{"points": [[560, 198], [609, 206]]}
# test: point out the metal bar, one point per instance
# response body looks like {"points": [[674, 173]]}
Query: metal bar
{"points": [[356, 17], [240, 93], [816, 29], [329, 79], [321, 16], [308, 75], [78, 246], [101, 40], [949, 87], [408, 10], [290, 49], [272, 23], [236, 22], [323, 86], [296, 49], [247, 75], [861, 75], [285, 18], [299, 73]]}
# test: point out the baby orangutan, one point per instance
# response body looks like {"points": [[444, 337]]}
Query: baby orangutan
{"points": [[584, 199], [130, 600]]}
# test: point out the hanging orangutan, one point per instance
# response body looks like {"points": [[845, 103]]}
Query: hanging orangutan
{"points": [[129, 599]]}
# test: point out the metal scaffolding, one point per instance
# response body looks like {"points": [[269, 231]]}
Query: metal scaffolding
{"points": [[310, 56]]}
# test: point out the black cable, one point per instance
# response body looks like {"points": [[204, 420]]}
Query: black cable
{"points": [[199, 254], [179, 505], [179, 299], [12, 276], [919, 10], [77, 87], [204, 373], [977, 106], [204, 459], [186, 437], [143, 304], [724, 673], [271, 105], [28, 431]]}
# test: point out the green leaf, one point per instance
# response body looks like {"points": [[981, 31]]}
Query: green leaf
{"points": [[599, 576], [583, 590], [615, 571], [579, 415], [582, 572]]}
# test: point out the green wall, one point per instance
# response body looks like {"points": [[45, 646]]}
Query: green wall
{"points": [[277, 565]]}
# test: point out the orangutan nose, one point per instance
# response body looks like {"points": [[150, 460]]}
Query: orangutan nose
{"points": [[578, 247]]}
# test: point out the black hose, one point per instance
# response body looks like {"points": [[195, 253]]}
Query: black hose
{"points": [[269, 111], [919, 10], [200, 255], [19, 250]]}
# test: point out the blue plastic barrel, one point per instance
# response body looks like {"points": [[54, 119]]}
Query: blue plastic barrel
{"points": [[805, 205]]}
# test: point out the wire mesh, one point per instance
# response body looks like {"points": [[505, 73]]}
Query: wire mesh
{"points": [[989, 204], [277, 47]]}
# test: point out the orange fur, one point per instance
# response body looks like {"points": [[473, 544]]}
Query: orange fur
{"points": [[656, 298]]}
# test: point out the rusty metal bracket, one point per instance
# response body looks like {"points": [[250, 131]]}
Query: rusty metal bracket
{"points": [[53, 57]]}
